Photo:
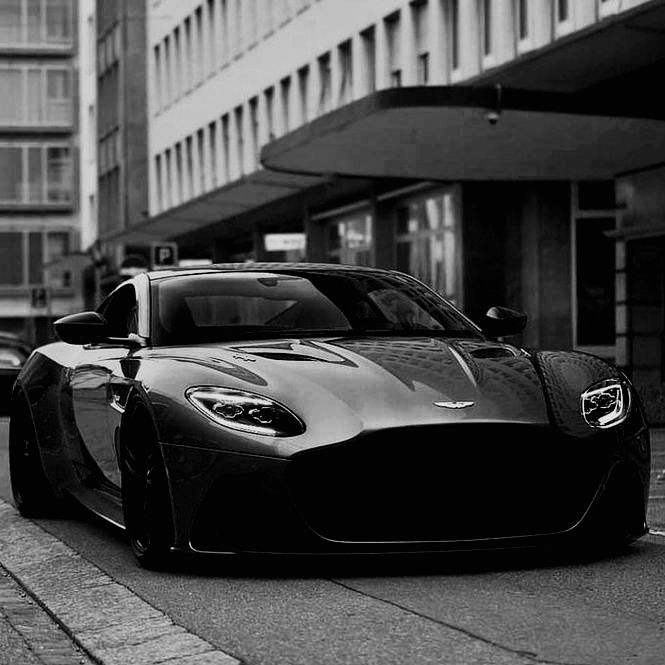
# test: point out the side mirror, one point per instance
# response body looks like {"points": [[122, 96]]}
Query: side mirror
{"points": [[82, 328], [503, 321]]}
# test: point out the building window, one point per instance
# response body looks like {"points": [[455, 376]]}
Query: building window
{"points": [[224, 30], [303, 91], [226, 146], [11, 266], [345, 54], [203, 170], [35, 23], [187, 75], [349, 239], [368, 40], [157, 77], [198, 47], [168, 190], [189, 166], [426, 240], [240, 138], [238, 29], [36, 96], [58, 174], [486, 26], [158, 183], [325, 83], [269, 96], [212, 141], [26, 254], [178, 84], [421, 27], [522, 19], [254, 127], [212, 35], [595, 277], [392, 27], [35, 174], [285, 91], [562, 10], [58, 21], [594, 262], [166, 71], [178, 193]]}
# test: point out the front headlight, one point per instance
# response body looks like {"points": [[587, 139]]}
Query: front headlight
{"points": [[246, 412], [606, 403]]}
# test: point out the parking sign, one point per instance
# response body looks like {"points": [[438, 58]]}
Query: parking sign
{"points": [[164, 254]]}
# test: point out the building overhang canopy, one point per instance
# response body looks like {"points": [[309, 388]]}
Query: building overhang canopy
{"points": [[246, 193], [458, 133]]}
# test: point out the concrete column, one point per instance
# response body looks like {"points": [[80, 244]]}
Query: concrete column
{"points": [[314, 92], [187, 168], [218, 160], [315, 238], [359, 68], [438, 55], [196, 167], [234, 156], [469, 32], [504, 33], [207, 176], [382, 74], [407, 49], [383, 233], [249, 158], [164, 204], [335, 77]]}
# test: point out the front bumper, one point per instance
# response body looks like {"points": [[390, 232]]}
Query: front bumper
{"points": [[407, 490]]}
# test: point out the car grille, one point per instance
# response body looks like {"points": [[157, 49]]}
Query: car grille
{"points": [[473, 481]]}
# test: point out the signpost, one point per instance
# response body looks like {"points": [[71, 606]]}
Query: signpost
{"points": [[163, 254]]}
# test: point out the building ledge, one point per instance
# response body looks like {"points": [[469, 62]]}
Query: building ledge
{"points": [[235, 198], [458, 133]]}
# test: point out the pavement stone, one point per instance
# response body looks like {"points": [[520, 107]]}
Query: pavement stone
{"points": [[28, 635], [106, 620]]}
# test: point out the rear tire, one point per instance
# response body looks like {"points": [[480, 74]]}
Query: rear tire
{"points": [[145, 493], [31, 489]]}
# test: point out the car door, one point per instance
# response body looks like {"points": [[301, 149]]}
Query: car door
{"points": [[100, 385]]}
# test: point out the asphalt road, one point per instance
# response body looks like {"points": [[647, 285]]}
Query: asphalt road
{"points": [[513, 608]]}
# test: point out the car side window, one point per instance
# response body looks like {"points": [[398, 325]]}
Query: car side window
{"points": [[120, 310]]}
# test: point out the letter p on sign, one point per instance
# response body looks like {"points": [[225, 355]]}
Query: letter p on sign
{"points": [[164, 255]]}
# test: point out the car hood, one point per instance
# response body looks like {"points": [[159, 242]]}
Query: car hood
{"points": [[379, 382]]}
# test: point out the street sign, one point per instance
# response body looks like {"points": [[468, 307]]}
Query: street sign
{"points": [[281, 242], [164, 254], [39, 297]]}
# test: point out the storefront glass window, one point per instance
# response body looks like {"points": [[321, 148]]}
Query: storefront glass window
{"points": [[349, 240], [595, 281], [426, 236]]}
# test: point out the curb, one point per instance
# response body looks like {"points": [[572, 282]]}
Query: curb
{"points": [[110, 623]]}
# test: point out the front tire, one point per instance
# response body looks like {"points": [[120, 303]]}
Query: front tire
{"points": [[145, 494], [31, 489]]}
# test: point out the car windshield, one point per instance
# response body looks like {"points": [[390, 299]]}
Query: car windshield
{"points": [[208, 307]]}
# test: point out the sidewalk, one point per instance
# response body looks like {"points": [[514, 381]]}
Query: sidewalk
{"points": [[28, 634]]}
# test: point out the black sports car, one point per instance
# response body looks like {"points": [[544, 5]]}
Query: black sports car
{"points": [[321, 408]]}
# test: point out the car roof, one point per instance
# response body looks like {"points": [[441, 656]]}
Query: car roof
{"points": [[214, 268]]}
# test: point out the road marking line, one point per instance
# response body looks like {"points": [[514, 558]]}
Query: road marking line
{"points": [[107, 620]]}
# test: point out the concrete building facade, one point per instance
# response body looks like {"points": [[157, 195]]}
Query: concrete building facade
{"points": [[39, 124], [226, 78]]}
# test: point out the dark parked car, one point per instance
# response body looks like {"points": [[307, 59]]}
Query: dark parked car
{"points": [[320, 408], [14, 351]]}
